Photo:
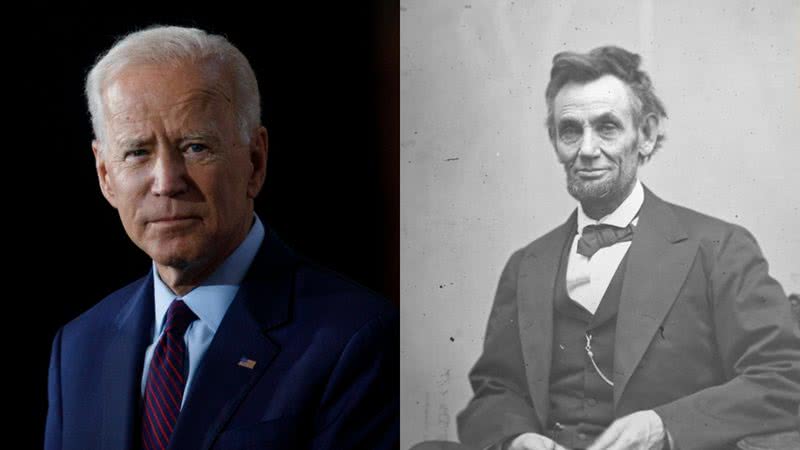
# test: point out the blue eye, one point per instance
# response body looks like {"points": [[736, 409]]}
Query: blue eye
{"points": [[196, 148], [135, 153]]}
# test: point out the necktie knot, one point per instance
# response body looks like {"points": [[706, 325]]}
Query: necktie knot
{"points": [[595, 237], [179, 317]]}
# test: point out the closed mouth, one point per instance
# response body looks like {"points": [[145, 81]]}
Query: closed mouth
{"points": [[173, 219], [599, 169], [591, 171]]}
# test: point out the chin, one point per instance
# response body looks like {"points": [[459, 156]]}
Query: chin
{"points": [[175, 262], [179, 255], [595, 190]]}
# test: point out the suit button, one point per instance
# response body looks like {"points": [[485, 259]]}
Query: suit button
{"points": [[591, 402]]}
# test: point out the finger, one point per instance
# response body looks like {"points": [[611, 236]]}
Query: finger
{"points": [[608, 437], [531, 441], [552, 445], [539, 442], [544, 443]]}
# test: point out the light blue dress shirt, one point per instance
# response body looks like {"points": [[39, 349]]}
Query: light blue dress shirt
{"points": [[209, 301]]}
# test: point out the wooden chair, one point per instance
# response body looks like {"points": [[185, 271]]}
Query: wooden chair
{"points": [[789, 440]]}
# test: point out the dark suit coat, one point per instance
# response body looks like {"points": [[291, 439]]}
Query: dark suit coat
{"points": [[326, 373], [704, 335]]}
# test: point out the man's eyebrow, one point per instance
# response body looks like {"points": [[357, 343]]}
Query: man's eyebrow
{"points": [[136, 142], [567, 121], [132, 142], [199, 135], [606, 117]]}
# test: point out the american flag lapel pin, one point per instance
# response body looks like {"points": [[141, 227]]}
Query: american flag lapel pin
{"points": [[248, 363]]}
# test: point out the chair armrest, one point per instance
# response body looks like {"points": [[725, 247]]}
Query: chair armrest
{"points": [[788, 440], [440, 445], [794, 300]]}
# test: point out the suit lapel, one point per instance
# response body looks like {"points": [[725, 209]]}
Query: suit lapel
{"points": [[536, 284], [220, 383], [122, 368], [658, 261]]}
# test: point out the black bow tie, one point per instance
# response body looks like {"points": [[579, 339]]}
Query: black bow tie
{"points": [[595, 237]]}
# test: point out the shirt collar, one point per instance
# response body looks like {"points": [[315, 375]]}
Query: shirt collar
{"points": [[210, 300], [620, 217]]}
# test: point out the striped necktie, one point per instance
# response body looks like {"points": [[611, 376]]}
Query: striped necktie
{"points": [[166, 379]]}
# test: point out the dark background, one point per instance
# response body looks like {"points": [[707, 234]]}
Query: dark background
{"points": [[329, 83]]}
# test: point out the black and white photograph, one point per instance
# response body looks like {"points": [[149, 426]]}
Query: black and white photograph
{"points": [[598, 224]]}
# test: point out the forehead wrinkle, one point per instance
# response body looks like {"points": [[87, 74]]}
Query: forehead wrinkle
{"points": [[118, 102], [578, 101], [182, 113], [204, 96], [137, 114], [201, 101], [588, 112]]}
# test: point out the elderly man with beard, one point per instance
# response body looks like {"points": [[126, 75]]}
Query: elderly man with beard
{"points": [[636, 324]]}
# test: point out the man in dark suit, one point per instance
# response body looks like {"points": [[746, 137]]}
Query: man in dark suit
{"points": [[637, 323], [231, 341]]}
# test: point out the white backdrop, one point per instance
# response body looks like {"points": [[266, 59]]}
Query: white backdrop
{"points": [[479, 178]]}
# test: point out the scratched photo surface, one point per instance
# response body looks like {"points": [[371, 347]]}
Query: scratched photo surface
{"points": [[480, 179]]}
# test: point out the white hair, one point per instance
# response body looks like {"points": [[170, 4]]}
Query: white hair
{"points": [[176, 45]]}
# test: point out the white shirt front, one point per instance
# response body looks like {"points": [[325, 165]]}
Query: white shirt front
{"points": [[588, 278]]}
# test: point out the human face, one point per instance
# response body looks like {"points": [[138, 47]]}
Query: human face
{"points": [[596, 141], [174, 165]]}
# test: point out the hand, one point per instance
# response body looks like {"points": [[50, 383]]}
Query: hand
{"points": [[640, 430], [533, 441]]}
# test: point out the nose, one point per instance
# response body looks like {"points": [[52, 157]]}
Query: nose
{"points": [[169, 174], [588, 147]]}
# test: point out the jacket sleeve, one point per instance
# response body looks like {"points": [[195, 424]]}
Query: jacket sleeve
{"points": [[52, 436], [361, 404], [759, 346], [501, 406]]}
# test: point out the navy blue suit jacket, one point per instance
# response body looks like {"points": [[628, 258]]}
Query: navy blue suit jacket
{"points": [[326, 372]]}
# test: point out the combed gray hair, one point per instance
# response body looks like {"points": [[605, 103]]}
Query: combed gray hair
{"points": [[175, 45]]}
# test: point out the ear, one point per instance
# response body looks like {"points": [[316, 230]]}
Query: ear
{"points": [[258, 159], [102, 173], [648, 134]]}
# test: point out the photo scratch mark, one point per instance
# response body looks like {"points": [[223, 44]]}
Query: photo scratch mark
{"points": [[426, 421]]}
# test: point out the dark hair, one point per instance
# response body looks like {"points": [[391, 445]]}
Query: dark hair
{"points": [[571, 67]]}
